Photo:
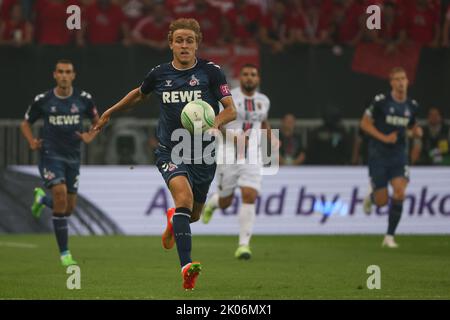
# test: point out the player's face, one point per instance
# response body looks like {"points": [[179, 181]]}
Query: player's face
{"points": [[434, 117], [64, 75], [249, 79], [399, 82], [184, 46]]}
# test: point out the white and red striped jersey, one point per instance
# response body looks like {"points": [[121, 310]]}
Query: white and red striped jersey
{"points": [[251, 112]]}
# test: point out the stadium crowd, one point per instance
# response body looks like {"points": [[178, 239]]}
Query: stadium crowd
{"points": [[275, 23]]}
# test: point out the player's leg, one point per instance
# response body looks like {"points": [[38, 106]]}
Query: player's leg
{"points": [[182, 195], [72, 172], [71, 203], [53, 173], [41, 199], [67, 258], [399, 185], [380, 197], [60, 222], [246, 216], [200, 177], [250, 183], [378, 194], [226, 183]]}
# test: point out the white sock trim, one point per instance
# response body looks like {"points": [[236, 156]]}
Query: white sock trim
{"points": [[181, 214]]}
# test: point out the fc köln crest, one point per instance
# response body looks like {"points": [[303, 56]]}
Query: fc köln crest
{"points": [[194, 81], [74, 109]]}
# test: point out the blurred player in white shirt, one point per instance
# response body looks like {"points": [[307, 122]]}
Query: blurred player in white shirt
{"points": [[244, 169]]}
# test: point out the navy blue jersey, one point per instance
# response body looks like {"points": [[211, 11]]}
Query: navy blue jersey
{"points": [[390, 116], [175, 88], [63, 117]]}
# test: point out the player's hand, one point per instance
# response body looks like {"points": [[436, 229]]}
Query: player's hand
{"points": [[87, 137], [391, 138], [35, 144], [104, 119]]}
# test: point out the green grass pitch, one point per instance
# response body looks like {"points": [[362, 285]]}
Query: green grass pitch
{"points": [[282, 267]]}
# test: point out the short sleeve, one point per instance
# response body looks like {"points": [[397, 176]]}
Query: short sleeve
{"points": [[91, 110], [149, 83], [374, 108], [34, 111], [218, 82]]}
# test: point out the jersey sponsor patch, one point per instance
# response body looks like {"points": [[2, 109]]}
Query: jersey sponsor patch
{"points": [[64, 120], [224, 89], [181, 96]]}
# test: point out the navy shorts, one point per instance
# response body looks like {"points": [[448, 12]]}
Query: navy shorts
{"points": [[56, 171], [381, 174], [199, 176]]}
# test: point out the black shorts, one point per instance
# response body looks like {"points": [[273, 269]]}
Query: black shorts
{"points": [[55, 171], [199, 176], [381, 174]]}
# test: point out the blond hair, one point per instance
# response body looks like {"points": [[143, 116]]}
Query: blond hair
{"points": [[395, 71], [185, 23]]}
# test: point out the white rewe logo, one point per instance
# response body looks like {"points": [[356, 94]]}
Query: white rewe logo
{"points": [[64, 120], [181, 96]]}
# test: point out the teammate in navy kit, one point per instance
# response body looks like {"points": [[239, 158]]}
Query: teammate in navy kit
{"points": [[389, 121], [63, 110], [176, 83]]}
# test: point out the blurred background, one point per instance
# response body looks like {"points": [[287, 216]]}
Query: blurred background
{"points": [[320, 67]]}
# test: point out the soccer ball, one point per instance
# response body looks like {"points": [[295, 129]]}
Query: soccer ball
{"points": [[197, 116]]}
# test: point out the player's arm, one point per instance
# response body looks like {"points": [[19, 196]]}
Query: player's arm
{"points": [[128, 102], [415, 132], [33, 142], [367, 126], [90, 135], [33, 113], [228, 113]]}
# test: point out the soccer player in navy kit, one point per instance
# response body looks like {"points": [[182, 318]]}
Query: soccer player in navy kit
{"points": [[63, 110], [176, 83], [389, 120]]}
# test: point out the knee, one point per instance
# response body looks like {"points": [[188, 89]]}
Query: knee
{"points": [[381, 200], [249, 195], [225, 202], [185, 200], [399, 195], [60, 198], [69, 209]]}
